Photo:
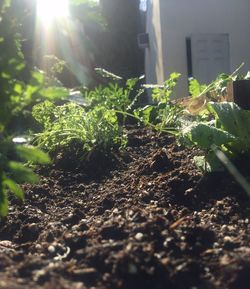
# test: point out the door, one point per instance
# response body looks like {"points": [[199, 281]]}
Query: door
{"points": [[210, 56]]}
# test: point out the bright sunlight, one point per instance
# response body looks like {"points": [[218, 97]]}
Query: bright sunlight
{"points": [[49, 10]]}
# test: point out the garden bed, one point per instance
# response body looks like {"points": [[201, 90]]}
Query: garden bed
{"points": [[149, 221]]}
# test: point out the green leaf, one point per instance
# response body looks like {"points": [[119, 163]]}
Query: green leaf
{"points": [[43, 112], [6, 4], [55, 92], [195, 88], [145, 113], [4, 204], [232, 119], [205, 135], [33, 154], [21, 174], [131, 83], [16, 65], [209, 163], [200, 162], [18, 88], [15, 188], [37, 78]]}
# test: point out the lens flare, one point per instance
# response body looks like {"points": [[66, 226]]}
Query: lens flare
{"points": [[49, 10]]}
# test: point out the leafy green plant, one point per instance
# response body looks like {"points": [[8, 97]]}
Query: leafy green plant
{"points": [[111, 96], [218, 88], [96, 129], [18, 95], [229, 130], [13, 171], [165, 114], [115, 96], [195, 88], [14, 95], [215, 91]]}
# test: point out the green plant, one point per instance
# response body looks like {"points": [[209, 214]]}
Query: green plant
{"points": [[18, 93], [165, 114], [13, 170], [13, 95], [195, 88], [96, 129], [115, 96], [216, 89], [229, 130]]}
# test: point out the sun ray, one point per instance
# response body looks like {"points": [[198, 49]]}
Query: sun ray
{"points": [[50, 10]]}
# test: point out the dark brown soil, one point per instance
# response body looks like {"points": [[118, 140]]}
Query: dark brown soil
{"points": [[151, 221]]}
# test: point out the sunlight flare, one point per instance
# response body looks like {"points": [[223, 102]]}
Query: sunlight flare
{"points": [[49, 10]]}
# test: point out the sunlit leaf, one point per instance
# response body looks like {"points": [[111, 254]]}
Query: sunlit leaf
{"points": [[131, 82], [32, 154], [205, 135], [37, 77], [15, 188], [232, 118], [14, 63], [18, 88], [54, 93], [22, 174], [195, 88]]}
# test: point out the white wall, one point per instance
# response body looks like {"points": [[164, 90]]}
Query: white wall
{"points": [[153, 55], [181, 18]]}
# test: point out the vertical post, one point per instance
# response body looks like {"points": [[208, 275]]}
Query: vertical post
{"points": [[239, 92]]}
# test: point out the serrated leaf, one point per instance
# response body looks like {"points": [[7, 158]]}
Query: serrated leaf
{"points": [[33, 154], [195, 88], [43, 112]]}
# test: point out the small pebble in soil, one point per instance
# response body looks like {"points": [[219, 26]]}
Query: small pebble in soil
{"points": [[38, 246], [51, 249], [224, 227], [115, 211], [139, 236], [227, 239], [75, 227]]}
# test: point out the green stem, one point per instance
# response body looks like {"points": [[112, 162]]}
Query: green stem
{"points": [[169, 130]]}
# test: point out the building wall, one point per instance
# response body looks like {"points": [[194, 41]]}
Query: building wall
{"points": [[179, 19], [153, 54]]}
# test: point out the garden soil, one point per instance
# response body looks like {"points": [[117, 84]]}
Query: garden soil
{"points": [[144, 218]]}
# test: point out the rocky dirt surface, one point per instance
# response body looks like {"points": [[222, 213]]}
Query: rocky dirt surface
{"points": [[149, 221]]}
